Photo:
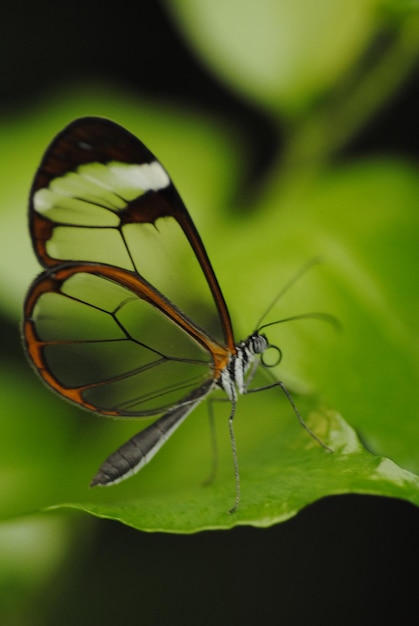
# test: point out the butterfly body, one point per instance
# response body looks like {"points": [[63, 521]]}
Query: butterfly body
{"points": [[233, 377]]}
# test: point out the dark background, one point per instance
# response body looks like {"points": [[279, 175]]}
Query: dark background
{"points": [[344, 560]]}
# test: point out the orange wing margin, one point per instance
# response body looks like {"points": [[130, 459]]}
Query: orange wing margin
{"points": [[52, 281]]}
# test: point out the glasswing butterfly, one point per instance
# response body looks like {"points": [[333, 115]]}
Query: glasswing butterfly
{"points": [[108, 324]]}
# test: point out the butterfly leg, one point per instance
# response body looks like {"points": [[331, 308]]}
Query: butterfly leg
{"points": [[279, 383], [235, 459], [214, 447], [214, 466]]}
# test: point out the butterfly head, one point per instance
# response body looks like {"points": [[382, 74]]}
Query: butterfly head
{"points": [[257, 343]]}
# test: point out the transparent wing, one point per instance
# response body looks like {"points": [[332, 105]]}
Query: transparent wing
{"points": [[110, 342], [101, 196]]}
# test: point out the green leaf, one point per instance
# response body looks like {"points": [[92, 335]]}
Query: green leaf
{"points": [[280, 475], [362, 220], [282, 468]]}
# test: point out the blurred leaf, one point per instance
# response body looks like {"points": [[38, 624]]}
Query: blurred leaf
{"points": [[322, 68], [362, 220], [32, 551], [282, 53]]}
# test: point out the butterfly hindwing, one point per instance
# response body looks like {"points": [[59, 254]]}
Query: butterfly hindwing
{"points": [[98, 337]]}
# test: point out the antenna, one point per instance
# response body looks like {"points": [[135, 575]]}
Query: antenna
{"points": [[325, 317], [307, 266]]}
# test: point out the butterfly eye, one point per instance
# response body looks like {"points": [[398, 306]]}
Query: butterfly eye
{"points": [[259, 343]]}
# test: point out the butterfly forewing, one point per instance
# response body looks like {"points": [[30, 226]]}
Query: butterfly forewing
{"points": [[113, 235], [100, 196]]}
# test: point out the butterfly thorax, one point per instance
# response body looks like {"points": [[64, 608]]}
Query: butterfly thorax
{"points": [[233, 377]]}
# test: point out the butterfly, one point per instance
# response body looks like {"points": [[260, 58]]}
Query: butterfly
{"points": [[111, 324]]}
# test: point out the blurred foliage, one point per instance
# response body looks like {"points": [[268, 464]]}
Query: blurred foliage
{"points": [[321, 75]]}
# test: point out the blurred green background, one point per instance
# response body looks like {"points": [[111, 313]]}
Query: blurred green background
{"points": [[290, 129]]}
